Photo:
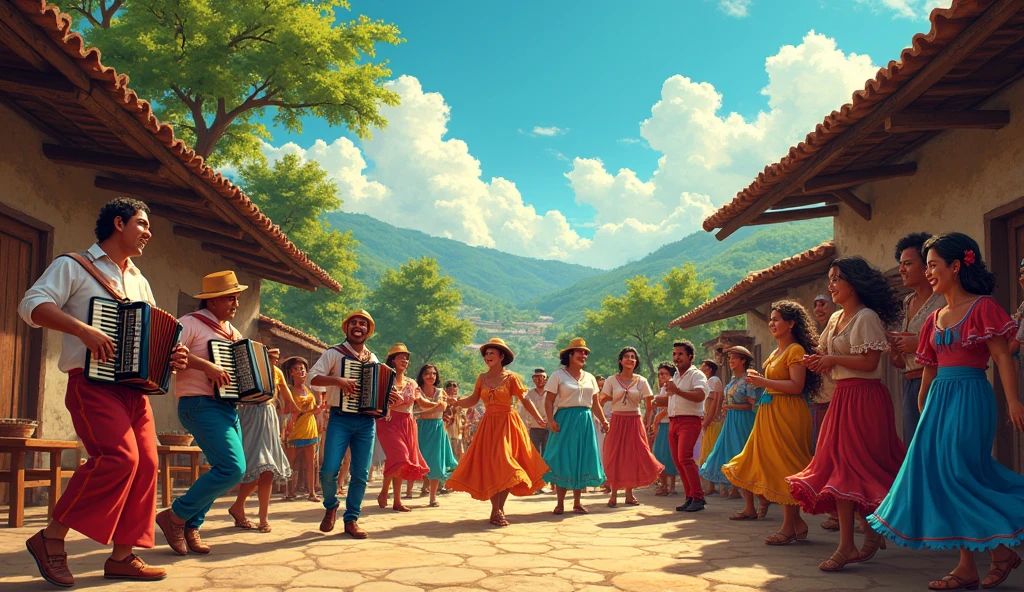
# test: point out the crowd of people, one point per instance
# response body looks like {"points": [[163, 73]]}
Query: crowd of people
{"points": [[812, 430]]}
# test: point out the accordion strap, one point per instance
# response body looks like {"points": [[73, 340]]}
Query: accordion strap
{"points": [[345, 350], [216, 326], [97, 275]]}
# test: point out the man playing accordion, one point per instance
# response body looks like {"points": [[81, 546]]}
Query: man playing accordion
{"points": [[113, 500]]}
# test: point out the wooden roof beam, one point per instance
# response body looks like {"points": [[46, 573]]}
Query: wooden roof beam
{"points": [[220, 240], [966, 87], [850, 198], [794, 215], [101, 161], [860, 176], [268, 264], [910, 122], [997, 14], [800, 201], [186, 218], [147, 192], [288, 280], [36, 84]]}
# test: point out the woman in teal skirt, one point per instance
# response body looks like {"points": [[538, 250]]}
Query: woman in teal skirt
{"points": [[433, 440], [740, 399], [950, 493], [571, 452], [662, 451]]}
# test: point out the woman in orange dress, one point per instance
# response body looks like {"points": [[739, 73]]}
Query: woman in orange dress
{"points": [[501, 459]]}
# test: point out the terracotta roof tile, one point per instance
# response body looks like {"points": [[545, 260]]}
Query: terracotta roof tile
{"points": [[946, 25], [824, 251], [57, 26], [266, 321]]}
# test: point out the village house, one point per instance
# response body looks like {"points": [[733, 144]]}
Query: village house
{"points": [[934, 142], [73, 135]]}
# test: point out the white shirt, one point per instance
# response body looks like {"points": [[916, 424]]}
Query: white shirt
{"points": [[535, 396], [329, 364], [625, 400], [70, 287], [196, 336], [569, 392], [691, 380]]}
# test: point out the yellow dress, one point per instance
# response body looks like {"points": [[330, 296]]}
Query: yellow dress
{"points": [[780, 443], [304, 431], [710, 436], [501, 455]]}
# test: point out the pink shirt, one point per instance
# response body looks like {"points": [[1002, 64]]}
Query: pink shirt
{"points": [[196, 336]]}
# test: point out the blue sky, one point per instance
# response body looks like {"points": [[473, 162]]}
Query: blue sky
{"points": [[592, 72]]}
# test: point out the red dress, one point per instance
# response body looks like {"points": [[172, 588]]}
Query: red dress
{"points": [[400, 441]]}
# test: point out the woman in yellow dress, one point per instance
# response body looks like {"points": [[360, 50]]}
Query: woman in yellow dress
{"points": [[302, 434], [714, 416], [501, 459], [781, 439]]}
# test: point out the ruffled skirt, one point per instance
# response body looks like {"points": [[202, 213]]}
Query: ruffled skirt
{"points": [[261, 441], [735, 432], [858, 453], [628, 460], [708, 440], [572, 453], [950, 492], [436, 448], [401, 449], [662, 450]]}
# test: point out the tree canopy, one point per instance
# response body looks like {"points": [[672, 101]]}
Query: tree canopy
{"points": [[213, 68]]}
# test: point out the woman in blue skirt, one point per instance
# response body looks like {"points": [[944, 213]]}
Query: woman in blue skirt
{"points": [[740, 399], [433, 440], [662, 451], [571, 452], [950, 493]]}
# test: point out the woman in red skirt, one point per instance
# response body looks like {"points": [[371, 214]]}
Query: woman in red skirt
{"points": [[628, 460], [858, 453]]}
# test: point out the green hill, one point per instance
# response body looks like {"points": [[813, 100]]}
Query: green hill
{"points": [[725, 262], [482, 274]]}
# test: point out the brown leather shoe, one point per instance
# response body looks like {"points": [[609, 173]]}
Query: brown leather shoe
{"points": [[352, 529], [132, 567], [195, 544], [173, 532], [330, 516], [51, 559]]}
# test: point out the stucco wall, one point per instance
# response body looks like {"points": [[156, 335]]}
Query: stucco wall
{"points": [[961, 175], [66, 199], [758, 329]]}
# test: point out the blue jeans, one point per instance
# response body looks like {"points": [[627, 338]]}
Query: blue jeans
{"points": [[343, 431], [217, 431], [911, 414]]}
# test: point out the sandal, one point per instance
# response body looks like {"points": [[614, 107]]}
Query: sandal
{"points": [[661, 492], [498, 519], [957, 584], [836, 562], [313, 498], [762, 509], [264, 528], [400, 508], [434, 504], [288, 497], [382, 500], [632, 501], [831, 524], [558, 511], [1001, 570], [871, 546], [779, 539], [579, 510], [612, 504], [242, 523], [742, 516]]}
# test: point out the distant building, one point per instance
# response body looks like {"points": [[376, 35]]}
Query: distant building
{"points": [[544, 346]]}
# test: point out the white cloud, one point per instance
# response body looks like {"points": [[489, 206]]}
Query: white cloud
{"points": [[737, 8], [549, 131], [913, 9]]}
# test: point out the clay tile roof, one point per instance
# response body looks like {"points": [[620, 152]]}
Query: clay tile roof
{"points": [[742, 296], [272, 323], [946, 25], [57, 26]]}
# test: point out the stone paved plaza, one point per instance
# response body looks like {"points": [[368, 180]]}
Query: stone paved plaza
{"points": [[452, 548]]}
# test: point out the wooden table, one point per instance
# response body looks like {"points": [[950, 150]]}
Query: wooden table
{"points": [[19, 478], [167, 469]]}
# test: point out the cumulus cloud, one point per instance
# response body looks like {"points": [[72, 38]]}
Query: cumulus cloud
{"points": [[554, 130], [422, 179], [737, 8], [913, 9]]}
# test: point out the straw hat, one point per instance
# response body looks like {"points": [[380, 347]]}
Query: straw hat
{"points": [[221, 283], [398, 348], [499, 344], [576, 343], [739, 349], [285, 363], [358, 313]]}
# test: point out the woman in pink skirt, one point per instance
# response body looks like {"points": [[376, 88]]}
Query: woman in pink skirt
{"points": [[858, 454], [397, 432], [628, 460]]}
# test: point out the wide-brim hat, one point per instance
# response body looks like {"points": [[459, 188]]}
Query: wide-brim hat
{"points": [[398, 348], [293, 360], [576, 343], [739, 349], [221, 283], [499, 344], [359, 313]]}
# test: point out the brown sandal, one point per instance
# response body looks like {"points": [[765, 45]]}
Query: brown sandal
{"points": [[871, 546], [1001, 570], [264, 528], [243, 523], [558, 511], [632, 501], [498, 519], [779, 539], [579, 510], [957, 584], [836, 562], [762, 509], [742, 516]]}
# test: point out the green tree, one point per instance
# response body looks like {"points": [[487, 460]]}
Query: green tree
{"points": [[213, 68], [418, 306], [296, 195]]}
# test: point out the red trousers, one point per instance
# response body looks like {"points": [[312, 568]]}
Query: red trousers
{"points": [[112, 497], [682, 438]]}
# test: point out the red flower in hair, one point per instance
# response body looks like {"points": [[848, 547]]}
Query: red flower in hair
{"points": [[969, 257]]}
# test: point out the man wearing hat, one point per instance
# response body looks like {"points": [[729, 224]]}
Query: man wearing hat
{"points": [[538, 434], [345, 430], [113, 500], [213, 423]]}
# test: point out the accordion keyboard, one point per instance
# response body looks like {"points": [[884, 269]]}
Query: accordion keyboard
{"points": [[104, 318], [224, 356], [352, 371]]}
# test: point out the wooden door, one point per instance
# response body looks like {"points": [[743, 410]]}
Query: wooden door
{"points": [[20, 249]]}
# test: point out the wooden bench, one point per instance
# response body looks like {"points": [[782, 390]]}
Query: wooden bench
{"points": [[19, 478], [167, 470]]}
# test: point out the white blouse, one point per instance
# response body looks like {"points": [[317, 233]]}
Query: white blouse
{"points": [[569, 392], [863, 333], [626, 396]]}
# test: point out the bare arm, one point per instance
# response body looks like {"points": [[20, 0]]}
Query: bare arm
{"points": [[1000, 352], [532, 410], [549, 409], [865, 362], [598, 411]]}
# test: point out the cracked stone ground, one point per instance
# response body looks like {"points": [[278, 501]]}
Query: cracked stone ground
{"points": [[452, 548]]}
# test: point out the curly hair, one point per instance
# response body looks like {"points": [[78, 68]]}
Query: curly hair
{"points": [[423, 370], [914, 240], [668, 366], [121, 207], [871, 287], [975, 278], [805, 335]]}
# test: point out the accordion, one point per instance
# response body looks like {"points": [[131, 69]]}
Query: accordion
{"points": [[248, 365], [373, 387], [144, 338]]}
